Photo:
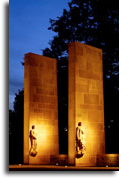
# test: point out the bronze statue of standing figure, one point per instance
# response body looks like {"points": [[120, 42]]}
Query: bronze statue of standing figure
{"points": [[80, 147], [33, 140]]}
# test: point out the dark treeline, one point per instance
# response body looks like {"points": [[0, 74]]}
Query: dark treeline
{"points": [[94, 22], [16, 129]]}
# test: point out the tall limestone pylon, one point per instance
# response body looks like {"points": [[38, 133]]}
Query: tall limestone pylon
{"points": [[85, 103], [40, 109]]}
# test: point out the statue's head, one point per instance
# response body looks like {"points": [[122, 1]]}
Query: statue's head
{"points": [[79, 124], [33, 126]]}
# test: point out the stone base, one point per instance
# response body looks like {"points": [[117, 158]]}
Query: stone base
{"points": [[61, 160], [109, 160]]}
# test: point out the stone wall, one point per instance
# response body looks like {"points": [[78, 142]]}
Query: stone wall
{"points": [[40, 107], [85, 102]]}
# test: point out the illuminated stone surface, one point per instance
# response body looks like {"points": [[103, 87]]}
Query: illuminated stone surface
{"points": [[40, 107], [85, 102]]}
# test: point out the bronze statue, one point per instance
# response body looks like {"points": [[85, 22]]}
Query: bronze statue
{"points": [[33, 140], [80, 147]]}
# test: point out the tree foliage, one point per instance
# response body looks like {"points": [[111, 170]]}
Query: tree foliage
{"points": [[94, 22], [16, 129]]}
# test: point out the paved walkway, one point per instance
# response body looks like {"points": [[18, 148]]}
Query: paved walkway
{"points": [[58, 168]]}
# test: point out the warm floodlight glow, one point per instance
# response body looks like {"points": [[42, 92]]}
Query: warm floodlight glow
{"points": [[40, 107]]}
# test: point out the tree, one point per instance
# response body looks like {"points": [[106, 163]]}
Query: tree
{"points": [[94, 22], [12, 138], [19, 111]]}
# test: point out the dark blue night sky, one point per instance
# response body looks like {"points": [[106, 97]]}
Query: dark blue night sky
{"points": [[28, 23]]}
